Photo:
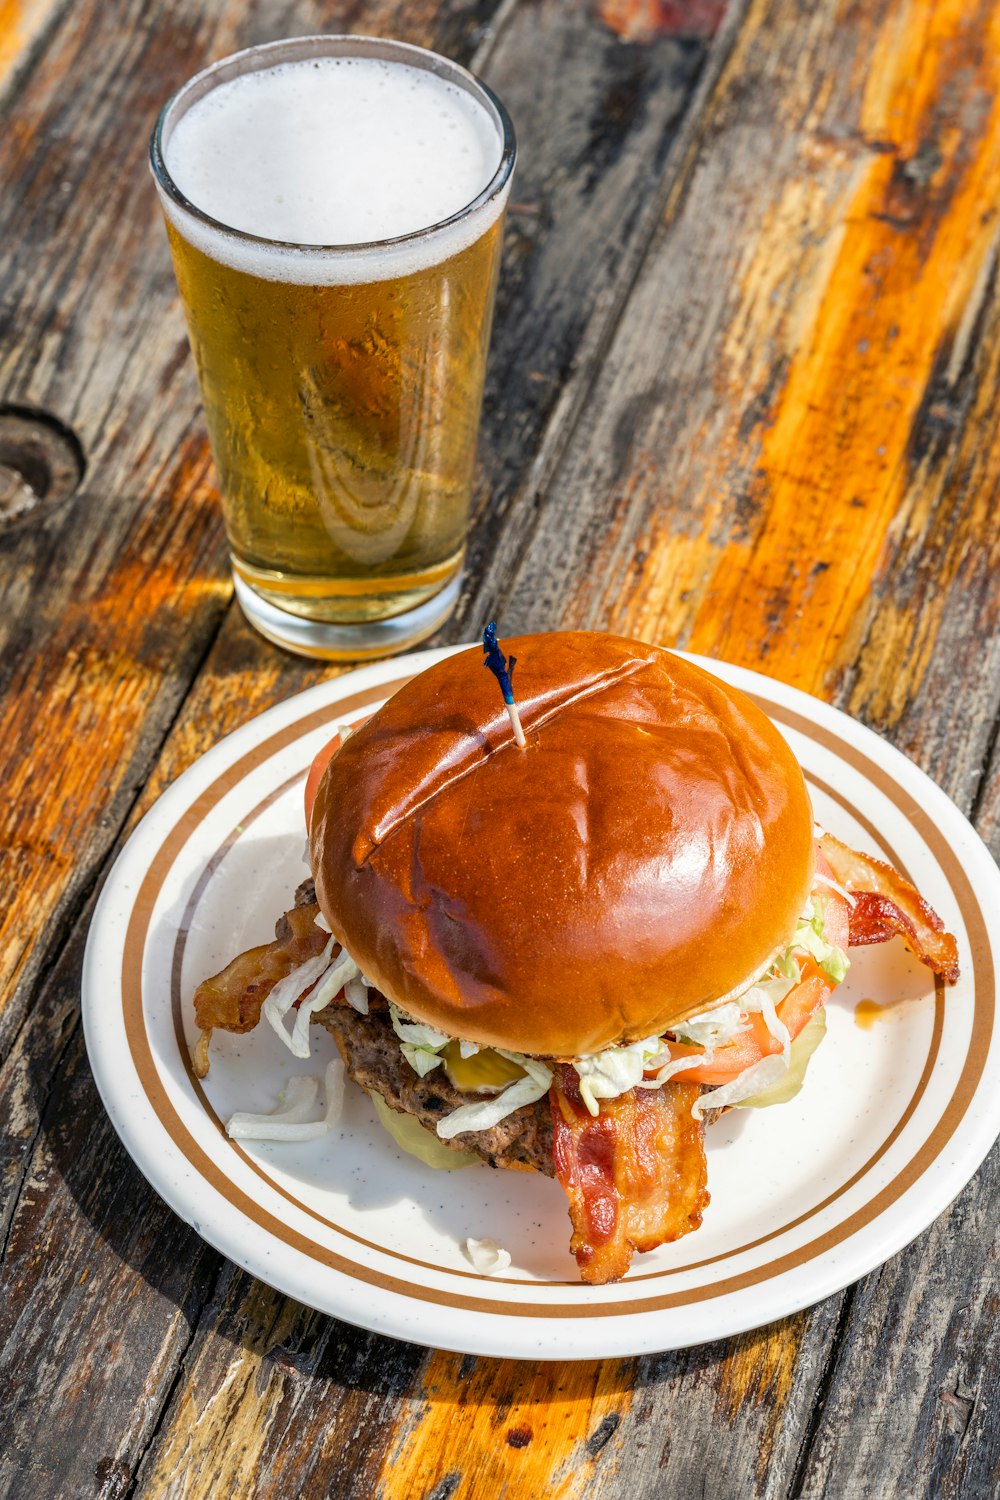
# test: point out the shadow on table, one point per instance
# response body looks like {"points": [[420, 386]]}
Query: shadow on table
{"points": [[122, 1265], [129, 1232]]}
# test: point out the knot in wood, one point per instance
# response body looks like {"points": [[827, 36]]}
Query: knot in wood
{"points": [[41, 465]]}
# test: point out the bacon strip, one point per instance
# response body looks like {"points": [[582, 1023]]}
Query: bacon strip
{"points": [[233, 998], [635, 1175], [886, 905]]}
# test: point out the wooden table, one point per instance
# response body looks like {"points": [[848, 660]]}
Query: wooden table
{"points": [[742, 400]]}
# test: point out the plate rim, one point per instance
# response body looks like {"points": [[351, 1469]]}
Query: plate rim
{"points": [[331, 697]]}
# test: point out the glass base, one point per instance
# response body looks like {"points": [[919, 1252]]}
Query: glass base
{"points": [[361, 642]]}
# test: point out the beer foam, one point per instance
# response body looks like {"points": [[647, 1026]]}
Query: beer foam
{"points": [[332, 151]]}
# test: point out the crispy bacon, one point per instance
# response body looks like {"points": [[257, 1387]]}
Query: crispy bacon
{"points": [[886, 905], [635, 1175], [233, 998]]}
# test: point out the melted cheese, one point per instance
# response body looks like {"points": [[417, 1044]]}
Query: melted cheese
{"points": [[485, 1072]]}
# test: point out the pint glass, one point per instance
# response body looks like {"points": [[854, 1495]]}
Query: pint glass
{"points": [[334, 207]]}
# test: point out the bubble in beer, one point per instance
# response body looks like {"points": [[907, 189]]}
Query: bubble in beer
{"points": [[333, 152]]}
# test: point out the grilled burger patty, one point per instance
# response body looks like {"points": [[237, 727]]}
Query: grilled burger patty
{"points": [[372, 1057]]}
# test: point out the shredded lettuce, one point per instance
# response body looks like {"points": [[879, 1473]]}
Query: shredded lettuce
{"points": [[713, 1028], [285, 993], [677, 1065], [356, 993], [809, 935], [421, 1045], [330, 985], [835, 885], [487, 1256], [759, 1076], [329, 979], [605, 1075], [288, 1122], [764, 999], [788, 1085], [787, 966]]}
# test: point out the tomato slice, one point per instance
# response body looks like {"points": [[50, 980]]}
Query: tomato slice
{"points": [[319, 765], [796, 1010], [316, 770]]}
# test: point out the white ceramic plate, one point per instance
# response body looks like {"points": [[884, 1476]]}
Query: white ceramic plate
{"points": [[806, 1197]]}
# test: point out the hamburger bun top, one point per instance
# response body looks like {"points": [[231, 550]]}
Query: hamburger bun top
{"points": [[644, 858]]}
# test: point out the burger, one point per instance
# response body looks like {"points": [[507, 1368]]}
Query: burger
{"points": [[568, 955]]}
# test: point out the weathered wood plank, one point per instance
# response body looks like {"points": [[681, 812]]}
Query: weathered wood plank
{"points": [[22, 24], [245, 1415], [110, 603], [707, 1421], [911, 1407], [739, 480], [128, 586], [645, 89], [920, 1357], [99, 1280], [938, 602]]}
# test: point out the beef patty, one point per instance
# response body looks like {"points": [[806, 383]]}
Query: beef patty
{"points": [[372, 1057]]}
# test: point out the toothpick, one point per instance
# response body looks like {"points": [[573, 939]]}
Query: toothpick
{"points": [[503, 671]]}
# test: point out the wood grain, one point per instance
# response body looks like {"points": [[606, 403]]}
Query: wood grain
{"points": [[127, 572], [617, 1427], [111, 603], [22, 23], [99, 1279], [274, 1399], [916, 1382], [709, 325], [741, 481]]}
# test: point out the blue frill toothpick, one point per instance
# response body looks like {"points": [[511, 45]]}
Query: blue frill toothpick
{"points": [[503, 671]]}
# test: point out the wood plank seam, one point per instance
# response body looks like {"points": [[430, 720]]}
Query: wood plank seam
{"points": [[569, 409], [80, 904], [9, 1215], [493, 35], [803, 1461], [22, 67], [74, 919], [947, 402], [990, 762], [166, 1405]]}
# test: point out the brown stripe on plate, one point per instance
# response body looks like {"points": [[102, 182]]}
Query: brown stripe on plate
{"points": [[984, 1000]]}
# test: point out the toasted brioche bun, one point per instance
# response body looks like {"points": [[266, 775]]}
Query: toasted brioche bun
{"points": [[645, 857]]}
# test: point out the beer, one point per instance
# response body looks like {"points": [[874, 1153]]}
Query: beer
{"points": [[335, 221]]}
